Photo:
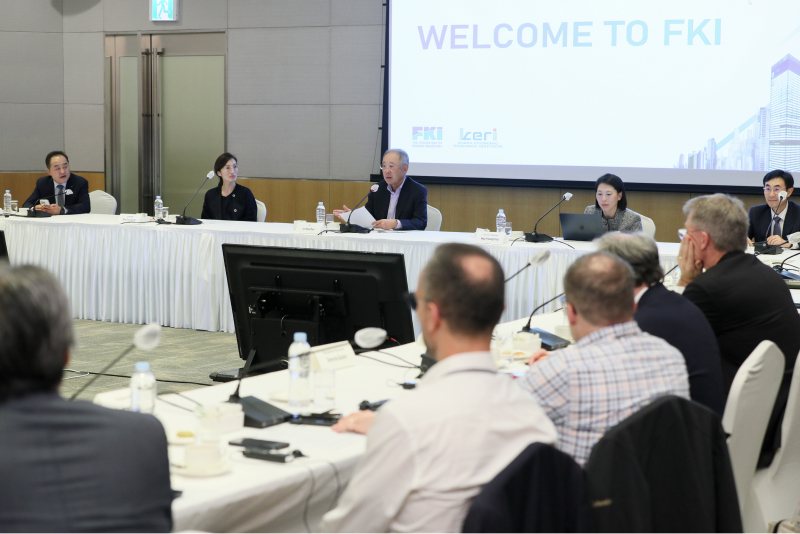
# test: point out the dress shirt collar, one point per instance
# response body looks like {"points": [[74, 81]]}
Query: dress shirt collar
{"points": [[393, 192], [466, 361], [56, 184], [608, 333]]}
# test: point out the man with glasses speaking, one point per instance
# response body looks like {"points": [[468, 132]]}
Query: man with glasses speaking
{"points": [[774, 221], [65, 193], [400, 203]]}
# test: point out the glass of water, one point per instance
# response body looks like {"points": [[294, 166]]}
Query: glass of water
{"points": [[508, 227], [15, 206], [324, 389], [328, 220], [165, 213]]}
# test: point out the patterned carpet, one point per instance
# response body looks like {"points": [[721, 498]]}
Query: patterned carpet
{"points": [[183, 355]]}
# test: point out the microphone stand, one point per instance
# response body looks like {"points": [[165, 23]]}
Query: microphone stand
{"points": [[348, 228], [183, 219], [535, 237], [527, 327], [106, 368]]}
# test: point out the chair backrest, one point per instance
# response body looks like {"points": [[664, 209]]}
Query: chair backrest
{"points": [[262, 211], [750, 401], [102, 203], [648, 226], [434, 219]]}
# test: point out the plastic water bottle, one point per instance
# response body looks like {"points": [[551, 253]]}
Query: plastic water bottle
{"points": [[501, 222], [321, 213], [143, 389], [7, 203], [299, 371], [158, 208]]}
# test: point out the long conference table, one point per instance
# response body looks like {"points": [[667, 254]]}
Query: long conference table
{"points": [[175, 275], [261, 496]]}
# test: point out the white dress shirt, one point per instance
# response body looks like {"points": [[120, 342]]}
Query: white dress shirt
{"points": [[394, 196], [431, 451]]}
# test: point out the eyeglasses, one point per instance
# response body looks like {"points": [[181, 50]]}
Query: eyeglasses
{"points": [[390, 167], [229, 168], [776, 190]]}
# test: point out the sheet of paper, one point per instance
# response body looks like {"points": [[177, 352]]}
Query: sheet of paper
{"points": [[361, 217]]}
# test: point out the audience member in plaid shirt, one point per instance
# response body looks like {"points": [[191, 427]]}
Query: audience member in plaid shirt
{"points": [[613, 369]]}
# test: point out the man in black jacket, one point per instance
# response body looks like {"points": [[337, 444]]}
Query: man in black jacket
{"points": [[400, 203], [745, 300], [66, 193], [673, 318], [774, 221]]}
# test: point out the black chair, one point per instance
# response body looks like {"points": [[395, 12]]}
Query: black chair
{"points": [[666, 468], [542, 490]]}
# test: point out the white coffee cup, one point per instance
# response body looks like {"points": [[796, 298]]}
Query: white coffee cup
{"points": [[203, 454]]}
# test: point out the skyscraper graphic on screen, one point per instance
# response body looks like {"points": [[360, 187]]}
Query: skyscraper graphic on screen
{"points": [[784, 103]]}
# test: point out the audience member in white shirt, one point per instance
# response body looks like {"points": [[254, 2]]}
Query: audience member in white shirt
{"points": [[432, 450]]}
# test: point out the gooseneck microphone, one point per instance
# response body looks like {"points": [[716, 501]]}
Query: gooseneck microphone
{"points": [[146, 338], [527, 327], [347, 228], [538, 258], [183, 219], [535, 237]]}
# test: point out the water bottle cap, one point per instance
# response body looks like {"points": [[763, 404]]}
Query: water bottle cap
{"points": [[301, 336], [158, 196], [8, 191], [320, 203], [501, 211], [142, 367]]}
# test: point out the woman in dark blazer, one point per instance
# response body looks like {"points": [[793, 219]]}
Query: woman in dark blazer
{"points": [[229, 201]]}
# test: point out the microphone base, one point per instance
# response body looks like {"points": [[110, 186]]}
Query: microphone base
{"points": [[33, 212], [535, 237], [353, 229], [184, 220], [549, 341], [260, 414]]}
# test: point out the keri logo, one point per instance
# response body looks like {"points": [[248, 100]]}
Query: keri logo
{"points": [[426, 133], [477, 136]]}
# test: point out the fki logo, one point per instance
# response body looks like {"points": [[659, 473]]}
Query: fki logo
{"points": [[426, 133]]}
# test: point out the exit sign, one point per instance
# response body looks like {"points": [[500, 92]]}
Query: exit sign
{"points": [[164, 10]]}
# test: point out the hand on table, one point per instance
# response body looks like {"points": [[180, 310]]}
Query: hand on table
{"points": [[52, 209], [691, 267], [778, 240], [385, 224], [340, 213], [538, 355], [358, 422]]}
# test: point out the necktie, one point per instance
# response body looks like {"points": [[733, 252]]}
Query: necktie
{"points": [[60, 195], [776, 228]]}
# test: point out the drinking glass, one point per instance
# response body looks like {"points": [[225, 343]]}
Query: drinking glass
{"points": [[508, 227], [328, 220], [165, 213], [15, 206]]}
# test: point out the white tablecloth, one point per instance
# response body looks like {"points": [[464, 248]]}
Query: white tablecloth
{"points": [[175, 276], [259, 496]]}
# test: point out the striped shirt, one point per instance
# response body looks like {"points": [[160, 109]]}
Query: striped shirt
{"points": [[606, 376]]}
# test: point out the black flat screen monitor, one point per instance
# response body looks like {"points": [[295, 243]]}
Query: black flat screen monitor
{"points": [[327, 294], [3, 247]]}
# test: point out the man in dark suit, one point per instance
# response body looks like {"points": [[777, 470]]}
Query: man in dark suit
{"points": [[67, 193], [673, 318], [774, 221], [745, 300], [400, 203], [67, 466]]}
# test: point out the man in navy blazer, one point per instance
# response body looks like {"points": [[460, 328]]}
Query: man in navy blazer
{"points": [[67, 193], [672, 317], [774, 221], [400, 203]]}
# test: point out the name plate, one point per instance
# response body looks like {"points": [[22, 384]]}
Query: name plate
{"points": [[133, 218], [303, 227], [495, 238], [333, 356]]}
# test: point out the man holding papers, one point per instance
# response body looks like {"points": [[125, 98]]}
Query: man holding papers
{"points": [[400, 203]]}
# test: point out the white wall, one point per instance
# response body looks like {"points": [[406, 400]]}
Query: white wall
{"points": [[304, 81]]}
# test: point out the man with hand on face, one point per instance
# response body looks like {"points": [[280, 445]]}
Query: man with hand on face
{"points": [[774, 221], [400, 203], [67, 193], [430, 451], [744, 300]]}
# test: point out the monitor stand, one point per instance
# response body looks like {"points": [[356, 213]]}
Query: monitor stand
{"points": [[248, 370]]}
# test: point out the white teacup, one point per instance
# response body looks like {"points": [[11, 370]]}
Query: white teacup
{"points": [[527, 342], [205, 454]]}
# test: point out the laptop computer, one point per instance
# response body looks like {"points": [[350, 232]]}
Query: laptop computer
{"points": [[581, 226]]}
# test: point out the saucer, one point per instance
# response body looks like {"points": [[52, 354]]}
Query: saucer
{"points": [[202, 471]]}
